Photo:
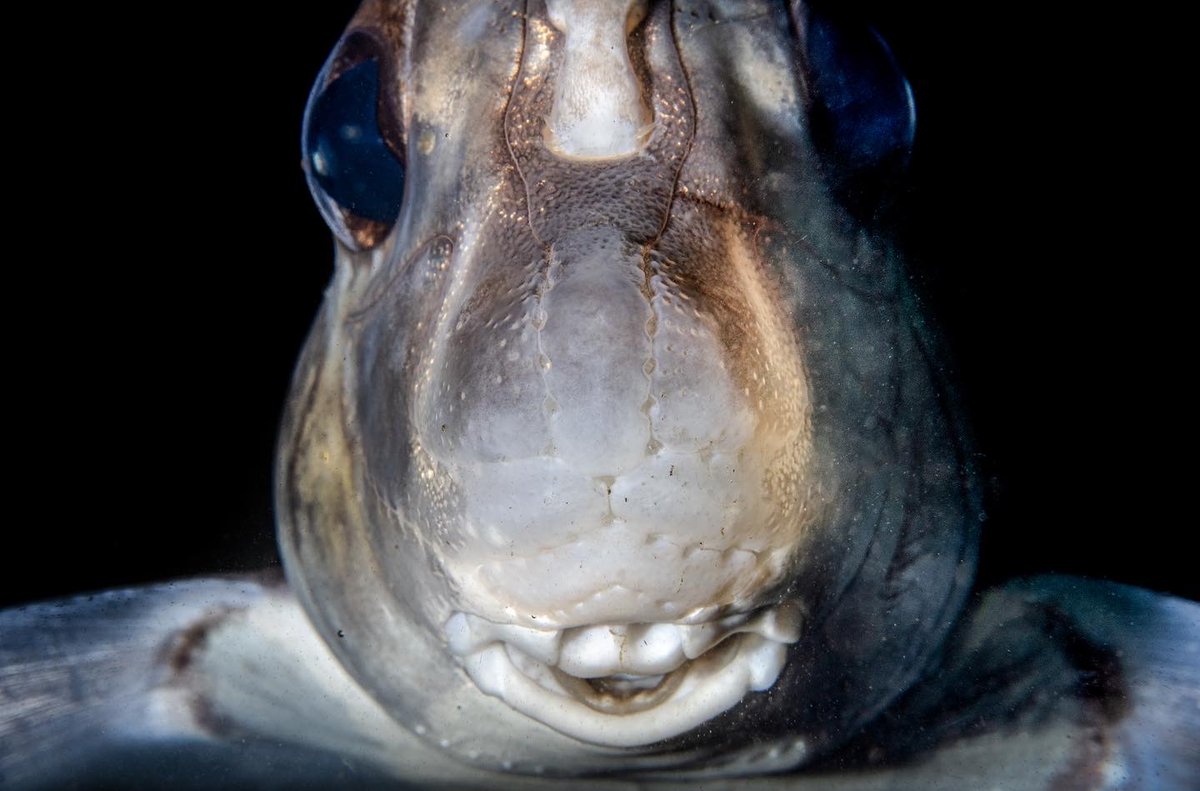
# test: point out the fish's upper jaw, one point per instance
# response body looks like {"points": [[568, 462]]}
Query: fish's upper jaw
{"points": [[626, 685]]}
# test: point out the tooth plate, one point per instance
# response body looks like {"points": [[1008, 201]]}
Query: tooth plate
{"points": [[654, 681]]}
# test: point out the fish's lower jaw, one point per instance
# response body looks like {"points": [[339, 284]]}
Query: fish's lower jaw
{"points": [[589, 710], [633, 709]]}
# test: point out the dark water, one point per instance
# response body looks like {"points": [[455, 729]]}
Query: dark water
{"points": [[144, 436]]}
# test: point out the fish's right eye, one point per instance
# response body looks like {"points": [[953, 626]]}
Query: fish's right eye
{"points": [[351, 157]]}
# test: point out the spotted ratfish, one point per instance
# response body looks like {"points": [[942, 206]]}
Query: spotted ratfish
{"points": [[618, 453]]}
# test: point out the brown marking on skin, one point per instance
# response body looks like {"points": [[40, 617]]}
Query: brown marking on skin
{"points": [[366, 233], [1101, 684], [389, 25], [180, 649], [180, 655]]}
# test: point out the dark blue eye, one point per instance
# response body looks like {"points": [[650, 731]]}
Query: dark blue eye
{"points": [[862, 114], [355, 177]]}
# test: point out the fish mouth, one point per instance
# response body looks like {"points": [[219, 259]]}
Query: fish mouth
{"points": [[626, 685]]}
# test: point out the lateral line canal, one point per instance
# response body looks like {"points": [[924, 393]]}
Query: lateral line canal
{"points": [[549, 275], [651, 362]]}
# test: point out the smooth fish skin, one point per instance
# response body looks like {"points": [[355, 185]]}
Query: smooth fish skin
{"points": [[619, 454]]}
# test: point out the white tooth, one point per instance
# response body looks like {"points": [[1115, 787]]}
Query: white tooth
{"points": [[782, 623], [764, 660], [541, 645], [490, 670], [699, 638], [458, 635], [613, 650], [590, 652], [643, 650], [654, 649], [637, 682]]}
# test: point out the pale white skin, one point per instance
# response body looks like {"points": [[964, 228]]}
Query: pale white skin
{"points": [[598, 110]]}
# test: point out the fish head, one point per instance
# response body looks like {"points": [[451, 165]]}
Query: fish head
{"points": [[616, 431]]}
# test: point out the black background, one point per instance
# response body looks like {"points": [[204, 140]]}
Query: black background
{"points": [[165, 262]]}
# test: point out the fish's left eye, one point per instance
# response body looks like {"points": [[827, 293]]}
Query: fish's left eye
{"points": [[354, 173], [862, 116]]}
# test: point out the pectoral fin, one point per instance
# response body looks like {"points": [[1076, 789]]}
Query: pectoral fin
{"points": [[205, 683], [1053, 682]]}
